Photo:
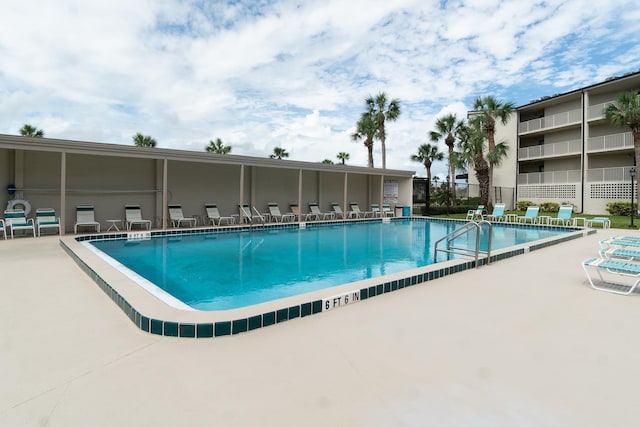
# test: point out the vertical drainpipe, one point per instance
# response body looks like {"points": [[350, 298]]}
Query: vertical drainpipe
{"points": [[63, 192], [583, 160], [165, 191], [299, 195], [241, 195], [515, 193]]}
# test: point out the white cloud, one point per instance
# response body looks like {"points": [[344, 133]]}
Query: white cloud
{"points": [[291, 74]]}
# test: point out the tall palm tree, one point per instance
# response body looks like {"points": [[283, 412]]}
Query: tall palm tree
{"points": [[366, 129], [427, 154], [626, 112], [28, 130], [279, 153], [217, 147], [141, 140], [487, 110], [342, 156], [447, 129], [382, 111], [471, 154]]}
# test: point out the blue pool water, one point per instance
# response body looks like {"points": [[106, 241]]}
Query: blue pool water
{"points": [[219, 271]]}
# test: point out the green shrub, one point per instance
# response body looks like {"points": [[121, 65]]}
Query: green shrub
{"points": [[522, 205], [621, 208], [473, 201], [442, 210], [549, 207]]}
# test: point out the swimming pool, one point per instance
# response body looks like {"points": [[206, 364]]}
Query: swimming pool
{"points": [[150, 313], [221, 271]]}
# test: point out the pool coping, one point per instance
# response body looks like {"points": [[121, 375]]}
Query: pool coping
{"points": [[152, 315]]}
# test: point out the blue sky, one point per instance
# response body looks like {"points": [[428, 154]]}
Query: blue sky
{"points": [[293, 74]]}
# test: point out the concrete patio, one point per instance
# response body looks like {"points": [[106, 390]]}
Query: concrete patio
{"points": [[522, 342]]}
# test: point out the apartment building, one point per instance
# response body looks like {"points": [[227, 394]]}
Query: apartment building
{"points": [[566, 150]]}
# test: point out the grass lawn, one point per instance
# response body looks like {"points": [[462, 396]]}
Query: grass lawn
{"points": [[622, 222]]}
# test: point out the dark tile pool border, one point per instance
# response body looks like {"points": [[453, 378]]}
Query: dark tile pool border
{"points": [[245, 324]]}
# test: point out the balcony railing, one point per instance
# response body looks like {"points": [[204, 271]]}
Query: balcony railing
{"points": [[617, 141], [561, 119], [564, 148], [618, 174], [555, 177], [595, 112], [609, 174]]}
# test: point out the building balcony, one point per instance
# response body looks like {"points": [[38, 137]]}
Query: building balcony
{"points": [[596, 112], [568, 118], [619, 174], [555, 177], [619, 141], [557, 149]]}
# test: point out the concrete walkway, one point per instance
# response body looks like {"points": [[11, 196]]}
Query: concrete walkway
{"points": [[522, 342]]}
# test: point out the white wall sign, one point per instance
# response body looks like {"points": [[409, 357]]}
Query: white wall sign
{"points": [[390, 191]]}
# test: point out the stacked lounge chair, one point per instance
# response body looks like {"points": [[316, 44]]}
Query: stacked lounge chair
{"points": [[617, 268]]}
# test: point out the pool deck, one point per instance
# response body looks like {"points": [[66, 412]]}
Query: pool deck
{"points": [[522, 342]]}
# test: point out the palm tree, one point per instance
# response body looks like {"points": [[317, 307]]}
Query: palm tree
{"points": [[141, 140], [342, 156], [327, 162], [471, 154], [447, 129], [383, 111], [626, 112], [217, 147], [279, 153], [427, 154], [366, 129], [487, 110], [32, 131]]}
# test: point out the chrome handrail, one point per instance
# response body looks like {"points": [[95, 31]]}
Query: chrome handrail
{"points": [[465, 251]]}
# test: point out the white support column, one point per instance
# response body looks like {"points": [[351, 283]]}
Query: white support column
{"points": [[165, 192], [63, 192], [241, 195], [299, 195], [345, 208]]}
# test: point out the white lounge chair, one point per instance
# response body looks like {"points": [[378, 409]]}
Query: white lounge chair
{"points": [[564, 216], [387, 211], [337, 210], [85, 217], [177, 217], [295, 209], [621, 241], [497, 214], [133, 216], [46, 218], [622, 253], [213, 214], [249, 217], [375, 208], [277, 216], [477, 213], [356, 212], [531, 215], [16, 220], [315, 209], [617, 276], [603, 221]]}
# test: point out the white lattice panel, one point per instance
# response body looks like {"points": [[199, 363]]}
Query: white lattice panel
{"points": [[554, 191]]}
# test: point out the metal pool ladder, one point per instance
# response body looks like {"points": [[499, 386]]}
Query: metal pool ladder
{"points": [[469, 227]]}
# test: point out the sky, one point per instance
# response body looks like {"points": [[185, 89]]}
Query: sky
{"points": [[294, 74]]}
